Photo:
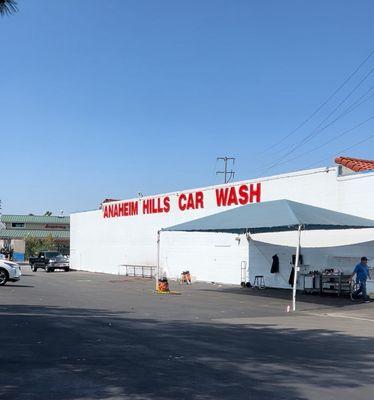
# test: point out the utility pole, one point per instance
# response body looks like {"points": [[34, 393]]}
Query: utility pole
{"points": [[229, 175]]}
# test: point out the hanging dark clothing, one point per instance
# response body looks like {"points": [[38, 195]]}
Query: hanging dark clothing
{"points": [[275, 264], [292, 274]]}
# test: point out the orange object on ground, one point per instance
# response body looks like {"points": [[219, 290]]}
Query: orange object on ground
{"points": [[163, 285]]}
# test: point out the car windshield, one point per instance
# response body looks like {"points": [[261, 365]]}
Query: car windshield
{"points": [[52, 254]]}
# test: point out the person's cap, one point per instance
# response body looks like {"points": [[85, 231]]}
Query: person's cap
{"points": [[364, 259]]}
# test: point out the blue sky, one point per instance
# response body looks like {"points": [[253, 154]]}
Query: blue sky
{"points": [[110, 98]]}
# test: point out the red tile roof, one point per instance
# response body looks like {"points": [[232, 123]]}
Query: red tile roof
{"points": [[355, 164]]}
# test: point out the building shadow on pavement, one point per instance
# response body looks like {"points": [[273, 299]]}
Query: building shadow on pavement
{"points": [[328, 300], [71, 354]]}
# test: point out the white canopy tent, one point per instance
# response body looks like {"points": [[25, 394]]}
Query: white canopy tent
{"points": [[272, 216]]}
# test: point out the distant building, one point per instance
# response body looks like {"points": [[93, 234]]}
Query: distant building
{"points": [[17, 229]]}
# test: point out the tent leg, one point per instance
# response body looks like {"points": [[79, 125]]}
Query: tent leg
{"points": [[158, 257], [248, 254], [296, 269]]}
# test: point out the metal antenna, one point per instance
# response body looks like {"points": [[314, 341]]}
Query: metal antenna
{"points": [[228, 175]]}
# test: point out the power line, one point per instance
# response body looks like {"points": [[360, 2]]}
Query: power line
{"points": [[348, 110], [330, 140], [343, 150], [323, 104], [362, 96], [315, 132]]}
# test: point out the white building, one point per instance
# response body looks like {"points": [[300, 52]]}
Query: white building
{"points": [[125, 232]]}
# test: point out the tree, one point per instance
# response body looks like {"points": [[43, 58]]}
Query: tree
{"points": [[49, 243], [8, 7], [34, 245]]}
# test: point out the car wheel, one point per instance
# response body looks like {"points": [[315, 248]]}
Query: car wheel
{"points": [[47, 269], [34, 269], [3, 277], [67, 269]]}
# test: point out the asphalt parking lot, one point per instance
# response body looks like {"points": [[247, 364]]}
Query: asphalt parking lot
{"points": [[82, 335]]}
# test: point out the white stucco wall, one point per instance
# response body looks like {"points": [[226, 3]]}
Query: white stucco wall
{"points": [[103, 244]]}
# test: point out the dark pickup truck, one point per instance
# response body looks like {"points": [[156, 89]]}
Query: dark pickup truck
{"points": [[49, 260]]}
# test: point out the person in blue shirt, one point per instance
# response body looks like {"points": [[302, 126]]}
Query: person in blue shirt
{"points": [[362, 274]]}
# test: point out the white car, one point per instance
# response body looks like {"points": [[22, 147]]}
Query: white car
{"points": [[9, 271]]}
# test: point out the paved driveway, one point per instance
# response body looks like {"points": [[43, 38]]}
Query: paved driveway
{"points": [[82, 336]]}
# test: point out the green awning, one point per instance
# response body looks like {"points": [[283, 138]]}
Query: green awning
{"points": [[35, 219], [27, 233]]}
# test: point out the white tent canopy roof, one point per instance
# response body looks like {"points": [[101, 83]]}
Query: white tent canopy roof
{"points": [[273, 216]]}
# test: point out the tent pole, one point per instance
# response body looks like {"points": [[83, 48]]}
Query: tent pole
{"points": [[248, 236], [296, 269], [158, 257]]}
